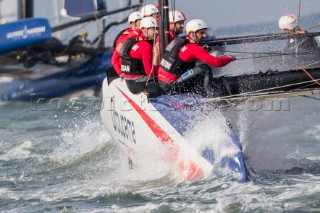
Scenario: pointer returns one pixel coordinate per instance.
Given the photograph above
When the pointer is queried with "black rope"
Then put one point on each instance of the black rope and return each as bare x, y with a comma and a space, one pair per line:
267, 55
307, 96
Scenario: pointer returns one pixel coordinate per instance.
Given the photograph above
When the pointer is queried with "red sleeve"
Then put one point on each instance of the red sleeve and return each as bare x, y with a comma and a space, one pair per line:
195, 52
147, 57
116, 62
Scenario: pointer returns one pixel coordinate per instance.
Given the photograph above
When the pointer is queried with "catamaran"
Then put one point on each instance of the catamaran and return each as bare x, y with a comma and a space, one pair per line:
163, 124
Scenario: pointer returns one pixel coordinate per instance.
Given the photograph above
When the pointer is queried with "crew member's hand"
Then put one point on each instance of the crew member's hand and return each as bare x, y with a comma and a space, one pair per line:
206, 47
301, 32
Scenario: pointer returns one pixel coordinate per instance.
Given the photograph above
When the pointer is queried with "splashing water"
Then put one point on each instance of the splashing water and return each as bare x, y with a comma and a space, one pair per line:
20, 152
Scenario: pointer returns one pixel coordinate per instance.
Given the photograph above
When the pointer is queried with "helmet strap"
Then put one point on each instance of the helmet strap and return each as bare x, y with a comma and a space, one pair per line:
193, 36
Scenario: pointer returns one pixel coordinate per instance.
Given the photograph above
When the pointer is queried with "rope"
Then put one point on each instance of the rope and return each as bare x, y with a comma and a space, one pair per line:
312, 81
152, 67
274, 53
260, 91
251, 46
315, 26
266, 54
308, 74
306, 96
308, 65
281, 37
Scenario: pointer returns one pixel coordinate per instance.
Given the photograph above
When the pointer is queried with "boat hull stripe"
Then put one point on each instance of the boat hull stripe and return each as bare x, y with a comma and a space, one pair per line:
156, 129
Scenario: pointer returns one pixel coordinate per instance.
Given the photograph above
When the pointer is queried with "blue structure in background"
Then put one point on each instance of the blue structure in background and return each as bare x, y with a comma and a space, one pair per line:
86, 75
23, 32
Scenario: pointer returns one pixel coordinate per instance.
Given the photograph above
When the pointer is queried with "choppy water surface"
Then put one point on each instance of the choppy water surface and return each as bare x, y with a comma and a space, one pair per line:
59, 158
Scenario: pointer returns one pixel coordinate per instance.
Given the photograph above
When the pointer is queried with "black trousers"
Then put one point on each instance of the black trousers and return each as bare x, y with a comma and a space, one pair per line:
195, 80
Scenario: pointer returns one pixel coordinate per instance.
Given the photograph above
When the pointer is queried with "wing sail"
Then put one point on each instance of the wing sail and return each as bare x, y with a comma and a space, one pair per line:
18, 34
82, 8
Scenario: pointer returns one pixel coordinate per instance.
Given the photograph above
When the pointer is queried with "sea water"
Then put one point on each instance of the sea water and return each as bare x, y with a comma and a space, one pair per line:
57, 157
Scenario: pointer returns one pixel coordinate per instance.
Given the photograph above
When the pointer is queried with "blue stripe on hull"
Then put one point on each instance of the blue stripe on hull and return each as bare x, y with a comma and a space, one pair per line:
181, 112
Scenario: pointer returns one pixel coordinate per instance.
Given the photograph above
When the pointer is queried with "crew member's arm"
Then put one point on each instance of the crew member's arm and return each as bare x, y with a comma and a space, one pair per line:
146, 54
156, 53
197, 52
116, 62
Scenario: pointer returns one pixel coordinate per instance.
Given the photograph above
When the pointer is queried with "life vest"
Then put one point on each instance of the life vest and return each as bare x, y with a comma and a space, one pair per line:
171, 61
130, 65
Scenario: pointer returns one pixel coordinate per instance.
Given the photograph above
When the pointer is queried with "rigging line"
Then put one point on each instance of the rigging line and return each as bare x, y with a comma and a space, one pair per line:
299, 12
275, 53
308, 74
74, 31
265, 42
306, 86
308, 96
308, 65
252, 46
279, 54
231, 101
261, 95
99, 27
173, 16
152, 67
279, 36
263, 90
173, 5
316, 26
257, 53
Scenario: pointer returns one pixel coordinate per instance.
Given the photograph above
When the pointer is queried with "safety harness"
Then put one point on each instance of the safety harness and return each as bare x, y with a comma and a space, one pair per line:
171, 61
130, 65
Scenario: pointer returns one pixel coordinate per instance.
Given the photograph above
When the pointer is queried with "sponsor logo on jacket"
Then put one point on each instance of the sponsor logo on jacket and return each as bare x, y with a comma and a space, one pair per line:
165, 64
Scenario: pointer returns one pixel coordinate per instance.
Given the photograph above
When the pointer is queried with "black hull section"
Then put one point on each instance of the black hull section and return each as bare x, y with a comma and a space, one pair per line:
270, 81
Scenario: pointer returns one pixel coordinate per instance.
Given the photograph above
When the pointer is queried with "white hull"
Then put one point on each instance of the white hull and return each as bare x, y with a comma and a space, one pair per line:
149, 131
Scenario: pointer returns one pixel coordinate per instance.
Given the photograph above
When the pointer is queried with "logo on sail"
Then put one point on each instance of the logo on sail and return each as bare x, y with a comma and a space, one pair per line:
26, 32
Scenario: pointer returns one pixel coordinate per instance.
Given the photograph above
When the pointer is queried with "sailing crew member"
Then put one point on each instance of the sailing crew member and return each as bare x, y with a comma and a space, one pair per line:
3, 21
176, 21
134, 20
288, 23
150, 10
81, 40
136, 57
178, 71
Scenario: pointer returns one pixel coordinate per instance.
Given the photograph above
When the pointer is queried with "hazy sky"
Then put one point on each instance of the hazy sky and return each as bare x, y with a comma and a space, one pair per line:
217, 13
224, 13
229, 13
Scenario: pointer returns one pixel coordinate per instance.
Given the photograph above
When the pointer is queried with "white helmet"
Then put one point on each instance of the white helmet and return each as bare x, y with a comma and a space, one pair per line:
133, 17
288, 22
149, 10
196, 24
175, 16
148, 22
